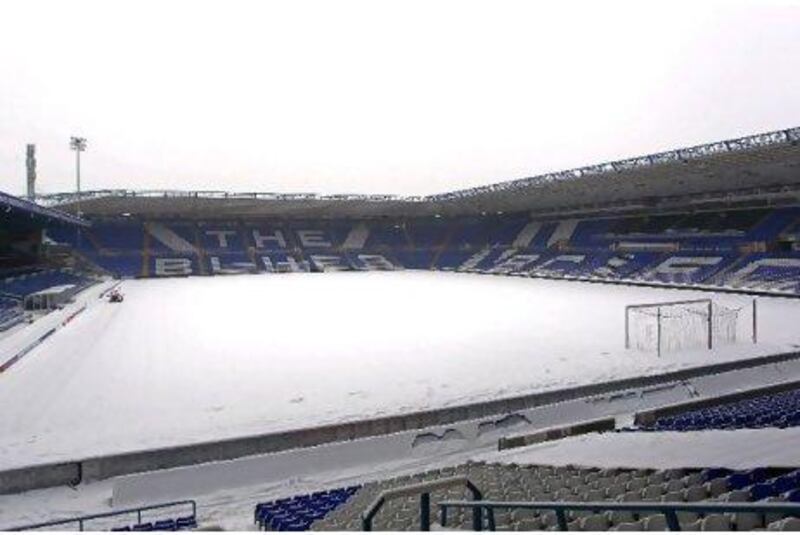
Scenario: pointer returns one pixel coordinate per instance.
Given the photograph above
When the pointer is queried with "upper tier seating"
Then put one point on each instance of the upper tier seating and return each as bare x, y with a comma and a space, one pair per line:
731, 223
115, 237
124, 265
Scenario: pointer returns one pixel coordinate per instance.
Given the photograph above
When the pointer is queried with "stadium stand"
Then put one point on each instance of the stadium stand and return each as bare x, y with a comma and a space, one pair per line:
734, 248
774, 410
25, 269
721, 215
779, 272
536, 483
36, 281
10, 313
300, 512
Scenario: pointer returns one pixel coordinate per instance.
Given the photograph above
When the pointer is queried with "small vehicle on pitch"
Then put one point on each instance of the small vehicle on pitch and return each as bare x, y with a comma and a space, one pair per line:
115, 296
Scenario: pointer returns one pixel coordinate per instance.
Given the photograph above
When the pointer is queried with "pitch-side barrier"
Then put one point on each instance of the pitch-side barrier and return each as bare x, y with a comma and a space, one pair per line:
104, 467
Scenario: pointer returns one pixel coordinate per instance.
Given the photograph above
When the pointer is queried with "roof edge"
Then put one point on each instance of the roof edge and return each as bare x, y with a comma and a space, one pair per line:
742, 144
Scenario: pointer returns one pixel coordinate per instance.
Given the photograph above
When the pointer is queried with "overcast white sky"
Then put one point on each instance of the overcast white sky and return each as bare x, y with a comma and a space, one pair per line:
407, 97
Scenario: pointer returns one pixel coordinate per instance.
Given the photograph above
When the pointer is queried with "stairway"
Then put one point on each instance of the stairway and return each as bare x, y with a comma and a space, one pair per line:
526, 235
473, 261
169, 238
563, 232
443, 247
357, 238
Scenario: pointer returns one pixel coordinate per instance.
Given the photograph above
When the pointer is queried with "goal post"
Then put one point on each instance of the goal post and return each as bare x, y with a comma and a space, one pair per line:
685, 324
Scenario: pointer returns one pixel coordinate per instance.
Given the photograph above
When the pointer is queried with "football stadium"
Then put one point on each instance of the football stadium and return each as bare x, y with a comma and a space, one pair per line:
283, 361
605, 347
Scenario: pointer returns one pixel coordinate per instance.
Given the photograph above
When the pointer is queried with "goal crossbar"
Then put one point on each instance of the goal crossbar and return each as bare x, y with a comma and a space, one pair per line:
669, 303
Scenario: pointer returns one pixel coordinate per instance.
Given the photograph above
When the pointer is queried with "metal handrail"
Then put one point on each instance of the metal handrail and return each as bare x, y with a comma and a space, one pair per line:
81, 519
668, 509
424, 490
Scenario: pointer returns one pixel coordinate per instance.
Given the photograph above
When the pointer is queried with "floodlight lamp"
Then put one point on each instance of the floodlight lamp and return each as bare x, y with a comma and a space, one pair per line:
77, 143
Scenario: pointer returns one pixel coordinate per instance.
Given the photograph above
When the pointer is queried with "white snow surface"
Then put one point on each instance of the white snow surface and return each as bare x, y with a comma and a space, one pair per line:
199, 359
739, 449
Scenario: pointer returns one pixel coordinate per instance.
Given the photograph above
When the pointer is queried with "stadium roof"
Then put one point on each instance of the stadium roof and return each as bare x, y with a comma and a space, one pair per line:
763, 167
20, 214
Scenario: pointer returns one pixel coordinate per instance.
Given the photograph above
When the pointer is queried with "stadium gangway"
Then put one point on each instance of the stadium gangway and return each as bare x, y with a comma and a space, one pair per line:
670, 510
424, 491
80, 520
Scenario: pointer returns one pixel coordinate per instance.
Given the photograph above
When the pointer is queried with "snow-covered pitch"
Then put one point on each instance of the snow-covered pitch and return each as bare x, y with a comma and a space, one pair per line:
198, 359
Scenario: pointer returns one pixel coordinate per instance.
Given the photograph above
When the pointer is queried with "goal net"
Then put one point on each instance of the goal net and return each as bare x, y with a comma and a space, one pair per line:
680, 325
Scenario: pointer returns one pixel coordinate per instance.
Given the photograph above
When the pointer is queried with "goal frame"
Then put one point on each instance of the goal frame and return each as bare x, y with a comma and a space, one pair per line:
709, 320
658, 306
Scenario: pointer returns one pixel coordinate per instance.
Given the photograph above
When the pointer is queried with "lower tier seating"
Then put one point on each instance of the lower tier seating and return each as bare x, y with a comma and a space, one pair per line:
10, 313
299, 512
774, 410
527, 483
745, 249
173, 516
22, 285
171, 524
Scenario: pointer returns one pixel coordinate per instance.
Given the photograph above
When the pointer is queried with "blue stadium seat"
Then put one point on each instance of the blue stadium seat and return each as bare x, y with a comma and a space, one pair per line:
785, 484
738, 481
299, 512
620, 248
774, 410
715, 473
793, 496
164, 525
760, 491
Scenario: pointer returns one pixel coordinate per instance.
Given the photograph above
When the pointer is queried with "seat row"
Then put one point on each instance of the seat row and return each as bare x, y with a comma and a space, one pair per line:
299, 512
171, 524
10, 313
774, 410
528, 483
29, 283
